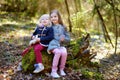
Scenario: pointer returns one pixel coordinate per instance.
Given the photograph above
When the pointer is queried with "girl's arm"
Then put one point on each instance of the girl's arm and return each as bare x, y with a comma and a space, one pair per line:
67, 35
34, 33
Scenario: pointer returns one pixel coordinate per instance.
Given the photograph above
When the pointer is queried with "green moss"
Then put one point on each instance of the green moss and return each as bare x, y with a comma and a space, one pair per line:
74, 46
47, 59
92, 74
28, 61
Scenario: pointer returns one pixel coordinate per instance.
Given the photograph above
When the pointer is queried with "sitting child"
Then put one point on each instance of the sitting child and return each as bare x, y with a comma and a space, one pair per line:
41, 37
57, 45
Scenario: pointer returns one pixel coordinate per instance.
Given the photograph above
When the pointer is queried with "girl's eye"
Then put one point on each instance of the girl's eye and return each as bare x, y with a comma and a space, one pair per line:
51, 17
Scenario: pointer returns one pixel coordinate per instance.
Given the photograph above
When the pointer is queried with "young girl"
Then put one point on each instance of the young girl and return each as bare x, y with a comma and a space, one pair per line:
56, 45
41, 37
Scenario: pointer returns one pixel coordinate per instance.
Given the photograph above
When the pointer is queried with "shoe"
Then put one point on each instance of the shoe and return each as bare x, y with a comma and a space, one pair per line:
62, 73
19, 68
38, 68
54, 75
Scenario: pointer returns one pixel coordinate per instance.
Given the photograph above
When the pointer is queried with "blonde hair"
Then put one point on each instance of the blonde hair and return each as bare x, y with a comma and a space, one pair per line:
45, 16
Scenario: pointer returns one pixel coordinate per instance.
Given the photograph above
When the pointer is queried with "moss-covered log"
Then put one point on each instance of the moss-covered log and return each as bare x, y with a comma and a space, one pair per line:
80, 54
28, 61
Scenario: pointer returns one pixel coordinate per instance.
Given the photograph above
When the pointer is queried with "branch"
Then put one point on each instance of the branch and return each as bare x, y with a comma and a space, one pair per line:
103, 24
111, 4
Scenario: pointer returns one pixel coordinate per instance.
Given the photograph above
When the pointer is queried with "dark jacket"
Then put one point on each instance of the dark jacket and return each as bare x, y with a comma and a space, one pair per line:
45, 34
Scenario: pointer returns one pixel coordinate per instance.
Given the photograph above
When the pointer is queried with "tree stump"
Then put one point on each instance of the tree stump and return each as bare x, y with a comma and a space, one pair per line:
82, 56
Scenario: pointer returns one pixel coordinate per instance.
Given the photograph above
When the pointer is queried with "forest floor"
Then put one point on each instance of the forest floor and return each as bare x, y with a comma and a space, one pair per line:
10, 56
13, 41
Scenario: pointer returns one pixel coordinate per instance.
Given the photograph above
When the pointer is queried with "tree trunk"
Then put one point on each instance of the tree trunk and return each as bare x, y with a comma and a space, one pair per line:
103, 25
69, 21
115, 22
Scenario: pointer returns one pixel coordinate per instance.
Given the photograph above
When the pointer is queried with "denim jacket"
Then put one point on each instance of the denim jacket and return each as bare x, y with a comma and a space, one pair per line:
59, 31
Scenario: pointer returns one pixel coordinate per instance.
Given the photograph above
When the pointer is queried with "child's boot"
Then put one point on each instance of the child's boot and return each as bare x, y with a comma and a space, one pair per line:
38, 68
62, 73
55, 75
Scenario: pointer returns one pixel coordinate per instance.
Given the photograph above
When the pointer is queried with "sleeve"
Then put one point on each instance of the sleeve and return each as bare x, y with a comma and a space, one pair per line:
35, 32
67, 35
49, 36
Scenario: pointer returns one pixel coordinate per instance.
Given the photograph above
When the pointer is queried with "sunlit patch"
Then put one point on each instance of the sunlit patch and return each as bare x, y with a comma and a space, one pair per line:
22, 33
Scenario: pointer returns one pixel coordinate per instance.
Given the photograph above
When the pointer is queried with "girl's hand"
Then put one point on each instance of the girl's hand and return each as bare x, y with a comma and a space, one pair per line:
37, 39
33, 37
62, 38
36, 36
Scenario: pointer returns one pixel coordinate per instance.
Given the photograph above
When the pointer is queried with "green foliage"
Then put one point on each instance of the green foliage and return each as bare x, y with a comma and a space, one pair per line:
95, 32
78, 22
60, 1
27, 7
28, 61
47, 59
74, 49
81, 21
92, 74
75, 45
73, 64
32, 7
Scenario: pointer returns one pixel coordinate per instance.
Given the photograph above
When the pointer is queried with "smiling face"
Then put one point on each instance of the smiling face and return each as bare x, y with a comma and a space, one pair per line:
54, 18
44, 20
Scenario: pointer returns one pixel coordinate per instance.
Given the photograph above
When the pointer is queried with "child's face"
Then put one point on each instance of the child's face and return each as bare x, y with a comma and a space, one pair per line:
54, 18
45, 21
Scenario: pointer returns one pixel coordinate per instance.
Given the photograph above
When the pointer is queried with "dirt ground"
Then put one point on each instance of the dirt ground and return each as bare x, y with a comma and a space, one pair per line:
10, 56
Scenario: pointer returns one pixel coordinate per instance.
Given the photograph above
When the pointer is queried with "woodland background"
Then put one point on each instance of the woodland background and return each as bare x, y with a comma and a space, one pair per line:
99, 18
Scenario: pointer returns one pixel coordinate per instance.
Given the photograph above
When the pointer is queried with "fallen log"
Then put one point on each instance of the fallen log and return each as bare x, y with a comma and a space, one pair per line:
83, 54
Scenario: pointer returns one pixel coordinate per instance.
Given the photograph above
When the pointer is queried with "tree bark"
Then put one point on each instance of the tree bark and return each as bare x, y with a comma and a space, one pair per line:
69, 21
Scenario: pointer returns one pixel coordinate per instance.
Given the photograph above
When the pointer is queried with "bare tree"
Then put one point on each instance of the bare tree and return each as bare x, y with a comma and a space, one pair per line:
106, 35
115, 22
69, 21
